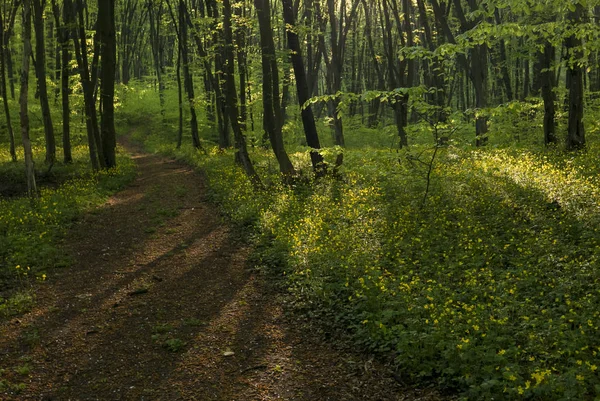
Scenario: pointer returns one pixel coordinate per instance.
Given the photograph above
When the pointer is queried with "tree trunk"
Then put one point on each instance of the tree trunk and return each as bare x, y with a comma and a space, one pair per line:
242, 59
187, 75
40, 70
3, 90
575, 72
108, 46
308, 119
65, 89
155, 19
179, 99
546, 60
231, 98
88, 84
272, 120
23, 101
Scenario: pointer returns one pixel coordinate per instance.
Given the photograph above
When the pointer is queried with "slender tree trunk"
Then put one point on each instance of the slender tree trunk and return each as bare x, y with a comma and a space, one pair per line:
8, 31
308, 119
88, 85
546, 59
242, 59
40, 70
65, 89
576, 130
179, 98
23, 100
155, 16
231, 98
3, 89
187, 75
272, 110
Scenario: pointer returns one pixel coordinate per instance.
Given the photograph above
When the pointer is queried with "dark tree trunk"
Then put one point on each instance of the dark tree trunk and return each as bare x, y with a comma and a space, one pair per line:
231, 98
272, 120
23, 99
187, 75
88, 84
40, 70
65, 88
575, 72
154, 15
546, 60
179, 99
308, 119
214, 82
242, 59
3, 90
505, 72
8, 31
108, 39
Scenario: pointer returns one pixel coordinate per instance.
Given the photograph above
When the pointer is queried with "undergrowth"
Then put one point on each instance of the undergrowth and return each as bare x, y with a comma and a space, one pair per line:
490, 289
30, 230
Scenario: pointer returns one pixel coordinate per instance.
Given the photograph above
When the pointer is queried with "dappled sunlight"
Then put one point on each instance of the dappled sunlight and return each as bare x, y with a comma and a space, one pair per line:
565, 185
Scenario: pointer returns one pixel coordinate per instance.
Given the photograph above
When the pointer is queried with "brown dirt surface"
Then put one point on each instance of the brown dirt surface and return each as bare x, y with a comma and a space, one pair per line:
161, 304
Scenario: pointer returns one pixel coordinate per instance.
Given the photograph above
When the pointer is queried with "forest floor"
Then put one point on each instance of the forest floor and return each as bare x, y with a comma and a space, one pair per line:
161, 304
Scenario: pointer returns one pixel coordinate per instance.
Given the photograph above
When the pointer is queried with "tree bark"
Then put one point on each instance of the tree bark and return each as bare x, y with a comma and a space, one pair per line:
108, 46
187, 75
547, 80
231, 98
308, 119
272, 120
65, 86
23, 101
88, 84
3, 90
575, 72
40, 70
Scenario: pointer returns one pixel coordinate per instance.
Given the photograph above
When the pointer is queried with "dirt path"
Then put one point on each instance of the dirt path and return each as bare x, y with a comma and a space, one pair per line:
161, 305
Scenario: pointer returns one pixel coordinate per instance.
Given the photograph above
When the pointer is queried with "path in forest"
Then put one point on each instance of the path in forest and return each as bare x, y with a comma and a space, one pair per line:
161, 304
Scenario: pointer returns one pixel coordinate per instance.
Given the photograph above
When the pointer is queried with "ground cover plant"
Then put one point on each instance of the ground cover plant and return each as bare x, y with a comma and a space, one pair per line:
489, 288
31, 229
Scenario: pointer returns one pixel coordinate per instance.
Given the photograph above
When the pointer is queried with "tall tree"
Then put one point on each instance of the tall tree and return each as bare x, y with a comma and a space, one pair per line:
108, 40
272, 116
182, 35
88, 82
242, 156
23, 100
40, 70
575, 75
3, 91
65, 73
308, 119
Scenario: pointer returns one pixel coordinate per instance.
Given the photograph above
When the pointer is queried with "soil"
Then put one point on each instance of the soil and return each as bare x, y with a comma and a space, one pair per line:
161, 304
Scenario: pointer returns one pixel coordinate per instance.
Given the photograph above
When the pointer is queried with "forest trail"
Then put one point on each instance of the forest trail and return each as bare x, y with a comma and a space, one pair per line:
160, 304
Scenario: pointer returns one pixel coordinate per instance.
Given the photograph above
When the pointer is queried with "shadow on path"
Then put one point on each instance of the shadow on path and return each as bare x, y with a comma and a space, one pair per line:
160, 305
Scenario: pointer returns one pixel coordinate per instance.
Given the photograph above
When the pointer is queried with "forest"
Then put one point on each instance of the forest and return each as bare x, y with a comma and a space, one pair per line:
419, 177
